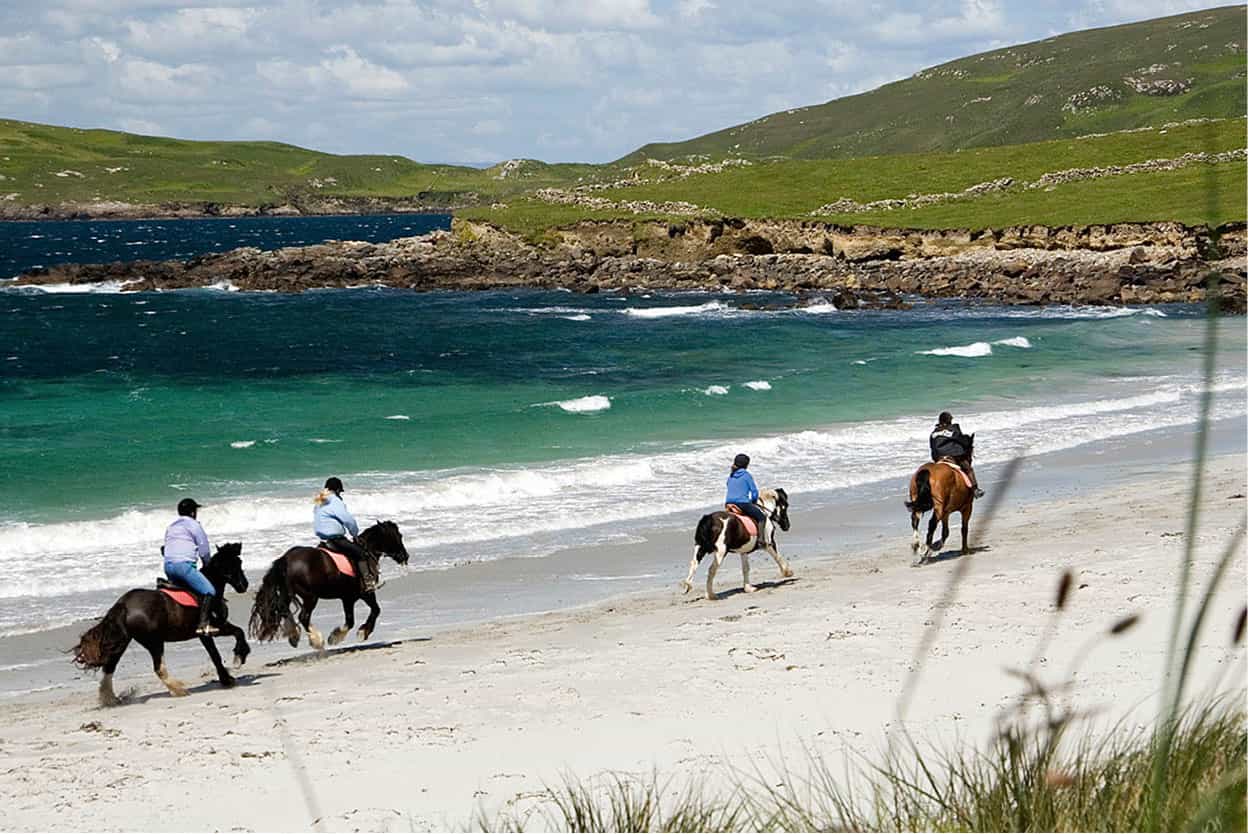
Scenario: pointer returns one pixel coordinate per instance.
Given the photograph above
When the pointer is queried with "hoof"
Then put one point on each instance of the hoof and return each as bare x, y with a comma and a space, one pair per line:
686, 587
240, 659
787, 573
918, 563
749, 589
364, 634
336, 636
227, 680
293, 640
712, 597
178, 691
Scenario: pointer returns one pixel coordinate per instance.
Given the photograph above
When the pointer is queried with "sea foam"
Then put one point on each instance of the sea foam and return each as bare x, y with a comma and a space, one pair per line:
584, 405
968, 351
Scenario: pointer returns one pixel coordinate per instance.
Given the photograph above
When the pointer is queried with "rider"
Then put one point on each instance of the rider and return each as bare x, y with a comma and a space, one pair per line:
948, 441
332, 521
742, 492
186, 543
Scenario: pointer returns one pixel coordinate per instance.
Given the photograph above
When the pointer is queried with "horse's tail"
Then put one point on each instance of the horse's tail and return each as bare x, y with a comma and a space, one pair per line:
704, 538
105, 640
272, 604
923, 492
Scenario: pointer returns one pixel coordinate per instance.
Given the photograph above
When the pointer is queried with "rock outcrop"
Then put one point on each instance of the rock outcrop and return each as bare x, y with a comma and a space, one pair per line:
855, 266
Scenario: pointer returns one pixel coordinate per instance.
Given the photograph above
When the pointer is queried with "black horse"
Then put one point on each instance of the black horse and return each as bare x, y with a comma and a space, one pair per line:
307, 574
153, 619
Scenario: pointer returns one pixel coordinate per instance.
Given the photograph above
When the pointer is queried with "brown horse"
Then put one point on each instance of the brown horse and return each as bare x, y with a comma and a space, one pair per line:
153, 619
304, 575
941, 489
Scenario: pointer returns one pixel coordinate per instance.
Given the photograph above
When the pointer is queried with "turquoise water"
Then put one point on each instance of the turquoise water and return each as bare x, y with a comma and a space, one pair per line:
498, 424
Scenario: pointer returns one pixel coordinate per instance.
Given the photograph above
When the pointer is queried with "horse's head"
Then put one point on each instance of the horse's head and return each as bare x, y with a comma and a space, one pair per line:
384, 538
227, 563
776, 502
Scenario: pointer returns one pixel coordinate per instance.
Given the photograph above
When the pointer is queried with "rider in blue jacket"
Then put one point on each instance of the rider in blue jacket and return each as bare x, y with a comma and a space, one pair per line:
185, 544
332, 521
743, 492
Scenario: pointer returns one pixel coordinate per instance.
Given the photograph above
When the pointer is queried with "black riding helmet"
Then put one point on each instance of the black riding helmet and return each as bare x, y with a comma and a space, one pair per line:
944, 419
334, 485
741, 461
188, 506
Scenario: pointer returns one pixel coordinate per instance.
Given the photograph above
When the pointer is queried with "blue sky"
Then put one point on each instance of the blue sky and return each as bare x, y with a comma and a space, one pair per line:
485, 80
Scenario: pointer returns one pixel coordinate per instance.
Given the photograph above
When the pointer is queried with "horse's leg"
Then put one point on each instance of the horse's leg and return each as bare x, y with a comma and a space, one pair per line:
915, 518
370, 599
223, 674
156, 647
931, 531
686, 585
774, 551
241, 649
745, 574
966, 526
721, 550
348, 610
944, 532
108, 698
306, 607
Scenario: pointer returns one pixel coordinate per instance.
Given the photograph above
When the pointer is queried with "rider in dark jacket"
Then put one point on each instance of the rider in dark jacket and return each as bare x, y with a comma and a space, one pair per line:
948, 441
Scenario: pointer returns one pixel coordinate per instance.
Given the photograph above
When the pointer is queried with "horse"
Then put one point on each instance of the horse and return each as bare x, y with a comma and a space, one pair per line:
941, 488
305, 575
153, 618
722, 532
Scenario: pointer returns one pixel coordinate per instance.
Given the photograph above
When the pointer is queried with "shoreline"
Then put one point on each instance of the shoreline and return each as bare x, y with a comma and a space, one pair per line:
418, 732
852, 267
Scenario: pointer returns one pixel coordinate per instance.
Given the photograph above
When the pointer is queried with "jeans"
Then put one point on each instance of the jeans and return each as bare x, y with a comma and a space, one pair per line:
187, 574
753, 511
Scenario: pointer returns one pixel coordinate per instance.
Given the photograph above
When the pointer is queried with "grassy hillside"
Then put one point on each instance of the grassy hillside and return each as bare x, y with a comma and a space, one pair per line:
1099, 80
799, 188
46, 164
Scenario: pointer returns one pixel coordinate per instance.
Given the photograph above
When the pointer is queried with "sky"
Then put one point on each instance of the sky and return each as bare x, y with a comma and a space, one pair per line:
481, 81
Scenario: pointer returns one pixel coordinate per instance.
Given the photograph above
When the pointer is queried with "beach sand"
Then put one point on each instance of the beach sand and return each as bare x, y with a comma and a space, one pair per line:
424, 733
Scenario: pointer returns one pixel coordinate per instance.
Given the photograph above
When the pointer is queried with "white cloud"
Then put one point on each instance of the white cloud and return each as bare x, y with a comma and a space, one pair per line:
141, 80
143, 126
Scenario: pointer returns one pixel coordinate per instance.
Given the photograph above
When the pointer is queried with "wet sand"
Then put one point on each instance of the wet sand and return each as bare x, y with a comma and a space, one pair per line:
421, 733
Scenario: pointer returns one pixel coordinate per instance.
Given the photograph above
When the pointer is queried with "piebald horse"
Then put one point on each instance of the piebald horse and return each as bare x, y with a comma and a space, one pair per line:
941, 489
723, 532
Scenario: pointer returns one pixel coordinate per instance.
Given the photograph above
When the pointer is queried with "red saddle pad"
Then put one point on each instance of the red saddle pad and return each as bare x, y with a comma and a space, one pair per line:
181, 597
341, 562
751, 526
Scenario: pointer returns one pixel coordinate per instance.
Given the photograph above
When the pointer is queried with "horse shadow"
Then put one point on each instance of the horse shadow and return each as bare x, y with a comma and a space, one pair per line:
315, 656
728, 593
950, 555
210, 685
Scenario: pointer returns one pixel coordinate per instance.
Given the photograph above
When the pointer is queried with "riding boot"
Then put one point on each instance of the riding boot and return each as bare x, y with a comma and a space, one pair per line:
970, 473
368, 574
205, 627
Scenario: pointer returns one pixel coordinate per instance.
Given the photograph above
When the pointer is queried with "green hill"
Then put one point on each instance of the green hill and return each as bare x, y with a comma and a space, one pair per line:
44, 164
1100, 80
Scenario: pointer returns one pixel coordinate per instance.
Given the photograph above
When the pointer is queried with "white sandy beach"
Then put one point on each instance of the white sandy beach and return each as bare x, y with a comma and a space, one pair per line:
421, 734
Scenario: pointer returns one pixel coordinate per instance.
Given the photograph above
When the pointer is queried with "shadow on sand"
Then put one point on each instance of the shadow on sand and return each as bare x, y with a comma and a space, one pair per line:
727, 593
314, 656
207, 686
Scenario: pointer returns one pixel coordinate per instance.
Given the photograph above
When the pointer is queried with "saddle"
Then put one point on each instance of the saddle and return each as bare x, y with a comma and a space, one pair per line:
953, 464
341, 562
750, 525
177, 592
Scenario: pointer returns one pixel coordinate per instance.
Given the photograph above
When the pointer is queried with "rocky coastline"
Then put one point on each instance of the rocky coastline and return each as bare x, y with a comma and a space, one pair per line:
854, 266
288, 207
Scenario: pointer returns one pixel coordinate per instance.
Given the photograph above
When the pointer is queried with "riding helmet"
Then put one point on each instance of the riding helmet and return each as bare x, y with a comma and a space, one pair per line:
334, 485
188, 506
741, 461
944, 419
